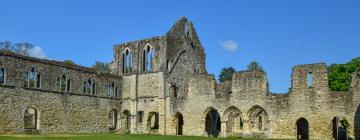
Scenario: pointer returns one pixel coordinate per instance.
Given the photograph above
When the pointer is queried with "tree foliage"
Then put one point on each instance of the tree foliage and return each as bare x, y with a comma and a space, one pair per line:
254, 65
69, 62
339, 75
22, 48
101, 67
226, 74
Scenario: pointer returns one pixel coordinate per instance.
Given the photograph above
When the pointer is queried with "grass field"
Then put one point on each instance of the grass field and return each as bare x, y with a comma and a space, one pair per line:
106, 137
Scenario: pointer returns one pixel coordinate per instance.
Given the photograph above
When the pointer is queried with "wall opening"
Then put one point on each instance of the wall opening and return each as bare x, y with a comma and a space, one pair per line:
2, 76
30, 118
148, 58
113, 120
140, 117
179, 124
302, 129
127, 61
212, 123
339, 130
126, 121
258, 119
153, 121
233, 120
310, 79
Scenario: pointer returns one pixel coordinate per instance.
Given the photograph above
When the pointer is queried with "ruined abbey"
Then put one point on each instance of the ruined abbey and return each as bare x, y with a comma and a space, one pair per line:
160, 86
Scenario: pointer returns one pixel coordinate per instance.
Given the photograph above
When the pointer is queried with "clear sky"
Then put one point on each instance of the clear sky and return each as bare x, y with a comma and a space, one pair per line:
277, 33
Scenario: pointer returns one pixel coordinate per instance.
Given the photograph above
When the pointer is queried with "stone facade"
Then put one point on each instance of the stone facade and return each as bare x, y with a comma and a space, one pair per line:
160, 86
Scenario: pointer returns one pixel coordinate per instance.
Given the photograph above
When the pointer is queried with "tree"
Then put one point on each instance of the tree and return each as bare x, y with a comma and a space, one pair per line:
339, 75
226, 74
6, 45
23, 48
19, 48
254, 65
69, 62
101, 67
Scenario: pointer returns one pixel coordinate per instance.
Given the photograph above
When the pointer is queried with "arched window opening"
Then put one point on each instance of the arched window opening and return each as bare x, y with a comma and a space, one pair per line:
153, 121
260, 122
340, 128
111, 89
68, 85
89, 87
2, 76
63, 81
258, 119
32, 79
148, 58
212, 123
232, 118
140, 117
30, 118
116, 92
302, 129
310, 79
113, 120
179, 123
127, 61
126, 120
93, 91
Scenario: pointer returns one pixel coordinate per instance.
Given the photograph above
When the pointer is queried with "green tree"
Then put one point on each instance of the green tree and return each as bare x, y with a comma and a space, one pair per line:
69, 62
254, 65
101, 67
226, 74
339, 75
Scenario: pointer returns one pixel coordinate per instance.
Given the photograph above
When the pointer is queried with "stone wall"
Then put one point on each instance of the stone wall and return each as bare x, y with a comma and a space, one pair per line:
175, 97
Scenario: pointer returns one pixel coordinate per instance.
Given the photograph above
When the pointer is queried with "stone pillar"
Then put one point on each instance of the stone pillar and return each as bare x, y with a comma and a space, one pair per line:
223, 129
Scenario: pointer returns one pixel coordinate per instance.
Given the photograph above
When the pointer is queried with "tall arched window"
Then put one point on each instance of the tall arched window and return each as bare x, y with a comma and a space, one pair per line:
30, 118
148, 58
111, 88
89, 87
2, 76
127, 61
64, 83
32, 79
113, 120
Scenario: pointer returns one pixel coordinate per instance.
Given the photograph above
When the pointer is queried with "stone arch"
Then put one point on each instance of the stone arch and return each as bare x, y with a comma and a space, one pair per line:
31, 118
233, 120
64, 83
357, 123
259, 119
126, 121
179, 123
212, 122
153, 121
148, 58
113, 119
127, 58
302, 129
339, 129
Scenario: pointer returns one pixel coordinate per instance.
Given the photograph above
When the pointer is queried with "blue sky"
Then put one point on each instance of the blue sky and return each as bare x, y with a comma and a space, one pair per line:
278, 33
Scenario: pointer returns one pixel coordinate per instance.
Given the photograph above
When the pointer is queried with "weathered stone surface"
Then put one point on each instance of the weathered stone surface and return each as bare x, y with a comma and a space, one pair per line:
177, 86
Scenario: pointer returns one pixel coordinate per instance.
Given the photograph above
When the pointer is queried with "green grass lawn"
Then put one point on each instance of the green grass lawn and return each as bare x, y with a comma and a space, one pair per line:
105, 137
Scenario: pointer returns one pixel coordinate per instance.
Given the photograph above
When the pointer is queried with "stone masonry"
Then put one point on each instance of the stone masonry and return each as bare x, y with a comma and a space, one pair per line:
160, 86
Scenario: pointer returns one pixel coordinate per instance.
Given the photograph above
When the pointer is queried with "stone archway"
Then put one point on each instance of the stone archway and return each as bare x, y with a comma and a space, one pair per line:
302, 126
259, 119
179, 120
233, 120
153, 122
126, 121
212, 123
